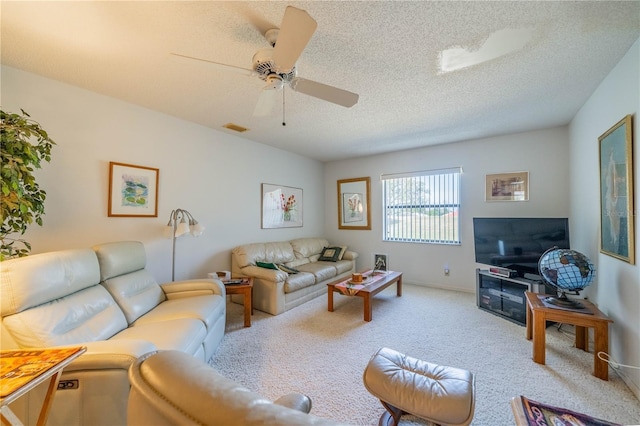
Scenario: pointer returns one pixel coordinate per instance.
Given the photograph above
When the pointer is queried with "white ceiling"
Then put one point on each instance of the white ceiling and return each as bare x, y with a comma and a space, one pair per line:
386, 51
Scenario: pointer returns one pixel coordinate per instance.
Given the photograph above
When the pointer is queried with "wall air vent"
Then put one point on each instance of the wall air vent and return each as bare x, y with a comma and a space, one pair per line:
235, 127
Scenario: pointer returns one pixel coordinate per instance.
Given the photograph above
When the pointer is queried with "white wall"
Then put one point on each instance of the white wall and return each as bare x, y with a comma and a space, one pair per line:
543, 153
214, 175
617, 287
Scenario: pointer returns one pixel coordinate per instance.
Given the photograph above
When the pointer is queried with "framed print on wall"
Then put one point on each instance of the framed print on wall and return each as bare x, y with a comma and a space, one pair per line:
507, 187
133, 190
281, 206
616, 192
354, 203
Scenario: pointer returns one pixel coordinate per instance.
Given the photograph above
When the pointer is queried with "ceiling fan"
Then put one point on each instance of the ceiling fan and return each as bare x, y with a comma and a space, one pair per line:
277, 65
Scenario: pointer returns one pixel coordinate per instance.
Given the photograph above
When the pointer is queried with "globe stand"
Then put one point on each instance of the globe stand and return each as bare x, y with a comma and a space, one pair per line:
564, 302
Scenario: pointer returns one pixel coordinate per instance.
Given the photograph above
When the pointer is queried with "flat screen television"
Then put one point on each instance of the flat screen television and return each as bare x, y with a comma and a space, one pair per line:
517, 243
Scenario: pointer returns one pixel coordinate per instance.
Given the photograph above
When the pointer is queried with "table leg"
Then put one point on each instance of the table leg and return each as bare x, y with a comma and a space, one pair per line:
330, 289
368, 308
48, 399
399, 286
248, 305
600, 367
529, 322
539, 330
582, 338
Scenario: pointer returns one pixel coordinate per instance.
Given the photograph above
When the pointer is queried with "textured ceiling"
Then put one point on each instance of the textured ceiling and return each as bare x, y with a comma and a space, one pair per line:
386, 51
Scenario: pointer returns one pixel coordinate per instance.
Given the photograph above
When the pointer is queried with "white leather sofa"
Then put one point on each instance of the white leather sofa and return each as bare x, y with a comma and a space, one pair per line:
198, 395
276, 291
104, 299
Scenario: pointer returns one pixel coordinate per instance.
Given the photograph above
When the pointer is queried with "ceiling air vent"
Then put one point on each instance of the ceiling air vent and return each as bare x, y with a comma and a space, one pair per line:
235, 127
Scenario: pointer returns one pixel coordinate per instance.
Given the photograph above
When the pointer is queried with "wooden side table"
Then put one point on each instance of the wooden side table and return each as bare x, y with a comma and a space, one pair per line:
538, 314
246, 289
24, 369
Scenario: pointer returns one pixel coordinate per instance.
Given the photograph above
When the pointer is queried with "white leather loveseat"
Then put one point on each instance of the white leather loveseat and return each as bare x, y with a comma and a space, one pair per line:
276, 291
104, 299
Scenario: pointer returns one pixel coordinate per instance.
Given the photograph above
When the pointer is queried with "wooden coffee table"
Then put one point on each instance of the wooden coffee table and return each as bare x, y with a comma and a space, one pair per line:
368, 291
246, 289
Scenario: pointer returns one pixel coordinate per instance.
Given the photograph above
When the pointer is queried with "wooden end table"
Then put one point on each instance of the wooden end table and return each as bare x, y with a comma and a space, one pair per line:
368, 291
246, 289
538, 314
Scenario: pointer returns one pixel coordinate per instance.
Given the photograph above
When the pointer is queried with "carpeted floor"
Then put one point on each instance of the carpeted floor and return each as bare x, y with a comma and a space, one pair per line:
323, 355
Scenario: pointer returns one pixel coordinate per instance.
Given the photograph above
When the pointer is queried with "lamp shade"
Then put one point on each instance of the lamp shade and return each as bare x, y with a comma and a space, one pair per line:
196, 229
182, 228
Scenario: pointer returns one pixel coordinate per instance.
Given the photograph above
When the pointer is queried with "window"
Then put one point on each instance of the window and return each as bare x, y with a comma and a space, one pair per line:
422, 207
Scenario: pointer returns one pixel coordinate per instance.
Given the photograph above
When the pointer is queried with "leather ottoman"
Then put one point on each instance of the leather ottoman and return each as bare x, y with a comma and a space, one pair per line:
439, 394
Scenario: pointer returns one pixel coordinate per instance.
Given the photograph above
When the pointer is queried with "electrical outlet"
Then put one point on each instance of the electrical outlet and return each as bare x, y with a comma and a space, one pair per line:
446, 270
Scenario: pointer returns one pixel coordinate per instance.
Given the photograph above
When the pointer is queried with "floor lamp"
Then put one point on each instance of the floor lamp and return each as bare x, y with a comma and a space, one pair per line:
180, 222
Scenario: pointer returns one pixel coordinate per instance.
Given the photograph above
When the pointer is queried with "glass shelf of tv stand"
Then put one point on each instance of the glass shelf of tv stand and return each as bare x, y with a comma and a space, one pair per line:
504, 296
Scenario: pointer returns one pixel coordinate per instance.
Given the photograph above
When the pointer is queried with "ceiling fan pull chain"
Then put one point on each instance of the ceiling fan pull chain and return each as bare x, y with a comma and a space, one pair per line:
284, 123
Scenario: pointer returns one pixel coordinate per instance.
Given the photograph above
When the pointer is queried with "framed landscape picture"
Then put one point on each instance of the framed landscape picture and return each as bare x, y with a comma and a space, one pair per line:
354, 203
616, 192
133, 190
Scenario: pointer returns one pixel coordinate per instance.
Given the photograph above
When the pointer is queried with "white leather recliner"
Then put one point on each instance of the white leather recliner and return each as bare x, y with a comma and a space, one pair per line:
173, 388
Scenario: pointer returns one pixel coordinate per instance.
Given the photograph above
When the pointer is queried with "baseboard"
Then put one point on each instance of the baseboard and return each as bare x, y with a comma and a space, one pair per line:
439, 287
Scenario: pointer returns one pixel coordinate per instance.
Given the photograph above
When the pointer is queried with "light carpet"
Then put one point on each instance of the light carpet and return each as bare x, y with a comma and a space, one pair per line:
323, 354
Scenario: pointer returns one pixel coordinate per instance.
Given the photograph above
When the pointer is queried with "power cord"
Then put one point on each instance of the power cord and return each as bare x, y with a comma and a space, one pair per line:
603, 356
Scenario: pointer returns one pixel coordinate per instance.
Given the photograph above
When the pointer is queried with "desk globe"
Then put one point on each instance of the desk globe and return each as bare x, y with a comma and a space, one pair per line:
567, 270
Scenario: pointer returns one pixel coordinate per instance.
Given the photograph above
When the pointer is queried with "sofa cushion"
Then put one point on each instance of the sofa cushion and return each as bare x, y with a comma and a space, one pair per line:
321, 270
307, 247
184, 334
298, 281
343, 266
136, 293
84, 316
276, 252
58, 274
204, 308
120, 258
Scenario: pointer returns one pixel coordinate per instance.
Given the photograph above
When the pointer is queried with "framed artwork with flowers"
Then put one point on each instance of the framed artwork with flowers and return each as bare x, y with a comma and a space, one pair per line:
354, 203
281, 206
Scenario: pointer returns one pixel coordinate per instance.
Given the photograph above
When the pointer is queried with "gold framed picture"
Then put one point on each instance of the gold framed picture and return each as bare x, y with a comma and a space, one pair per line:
616, 191
512, 186
354, 203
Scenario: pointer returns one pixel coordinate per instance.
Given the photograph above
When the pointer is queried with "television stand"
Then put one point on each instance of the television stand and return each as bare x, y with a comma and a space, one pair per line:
503, 296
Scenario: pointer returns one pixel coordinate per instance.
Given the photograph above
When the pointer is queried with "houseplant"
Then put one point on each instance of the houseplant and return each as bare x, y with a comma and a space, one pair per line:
24, 145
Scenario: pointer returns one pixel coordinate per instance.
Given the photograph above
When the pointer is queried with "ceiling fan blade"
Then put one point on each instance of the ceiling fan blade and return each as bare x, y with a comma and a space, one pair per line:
223, 67
296, 30
325, 92
266, 101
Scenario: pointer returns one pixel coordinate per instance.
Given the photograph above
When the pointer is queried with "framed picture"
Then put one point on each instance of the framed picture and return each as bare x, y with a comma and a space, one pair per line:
354, 203
616, 192
380, 262
281, 206
507, 187
133, 190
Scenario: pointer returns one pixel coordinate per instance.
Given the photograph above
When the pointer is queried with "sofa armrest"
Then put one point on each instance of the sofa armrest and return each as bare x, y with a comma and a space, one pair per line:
110, 354
264, 273
350, 255
190, 288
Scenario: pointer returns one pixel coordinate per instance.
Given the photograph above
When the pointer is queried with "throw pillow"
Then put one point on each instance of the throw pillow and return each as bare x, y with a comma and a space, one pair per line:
287, 269
342, 250
330, 254
267, 265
